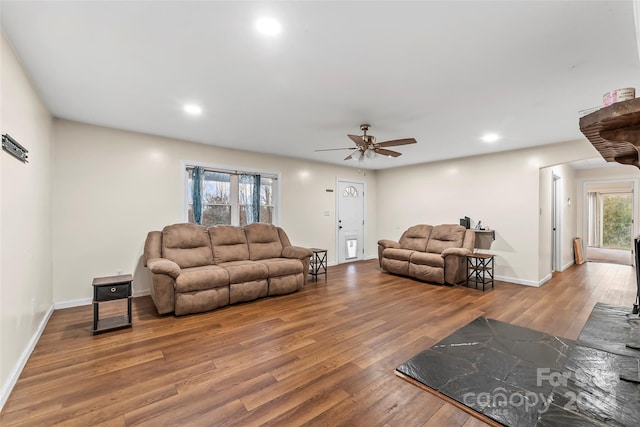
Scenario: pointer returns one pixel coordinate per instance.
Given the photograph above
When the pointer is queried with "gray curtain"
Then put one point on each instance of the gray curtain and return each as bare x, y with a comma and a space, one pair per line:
593, 218
252, 203
196, 193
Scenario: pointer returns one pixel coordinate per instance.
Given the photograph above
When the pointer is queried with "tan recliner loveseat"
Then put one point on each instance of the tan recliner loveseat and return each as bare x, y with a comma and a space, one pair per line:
196, 269
434, 254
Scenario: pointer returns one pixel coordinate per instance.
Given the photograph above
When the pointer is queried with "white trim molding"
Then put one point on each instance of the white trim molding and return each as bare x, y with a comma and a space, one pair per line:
524, 282
24, 357
636, 15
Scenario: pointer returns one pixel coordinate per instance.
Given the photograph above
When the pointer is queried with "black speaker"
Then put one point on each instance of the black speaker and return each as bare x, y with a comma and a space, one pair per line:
466, 222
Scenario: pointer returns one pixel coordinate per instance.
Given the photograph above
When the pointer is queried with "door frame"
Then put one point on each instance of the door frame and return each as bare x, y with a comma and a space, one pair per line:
556, 223
634, 215
364, 215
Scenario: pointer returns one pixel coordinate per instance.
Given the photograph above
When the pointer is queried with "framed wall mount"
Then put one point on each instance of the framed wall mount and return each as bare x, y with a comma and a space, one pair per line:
12, 147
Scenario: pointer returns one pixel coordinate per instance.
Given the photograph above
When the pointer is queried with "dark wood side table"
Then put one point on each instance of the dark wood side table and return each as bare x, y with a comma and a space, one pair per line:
318, 263
109, 289
480, 269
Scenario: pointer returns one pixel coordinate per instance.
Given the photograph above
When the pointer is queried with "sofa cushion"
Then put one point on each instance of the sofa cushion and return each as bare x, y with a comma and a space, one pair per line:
152, 246
264, 241
399, 254
426, 258
188, 245
229, 243
427, 273
285, 284
446, 236
245, 271
396, 266
282, 266
416, 237
206, 277
199, 301
247, 291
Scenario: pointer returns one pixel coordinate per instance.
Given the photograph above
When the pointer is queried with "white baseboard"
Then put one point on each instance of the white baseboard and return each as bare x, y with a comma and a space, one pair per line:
86, 301
22, 361
545, 279
567, 265
15, 374
142, 293
72, 303
521, 281
537, 284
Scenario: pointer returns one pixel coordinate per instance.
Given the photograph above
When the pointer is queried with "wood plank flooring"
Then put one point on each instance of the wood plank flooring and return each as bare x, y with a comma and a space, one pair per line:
322, 356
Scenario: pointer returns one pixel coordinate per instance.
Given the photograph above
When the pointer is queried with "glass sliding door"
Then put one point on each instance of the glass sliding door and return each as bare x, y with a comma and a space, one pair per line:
617, 220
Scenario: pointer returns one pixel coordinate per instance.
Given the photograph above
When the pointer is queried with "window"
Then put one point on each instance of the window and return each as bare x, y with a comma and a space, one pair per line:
230, 198
350, 191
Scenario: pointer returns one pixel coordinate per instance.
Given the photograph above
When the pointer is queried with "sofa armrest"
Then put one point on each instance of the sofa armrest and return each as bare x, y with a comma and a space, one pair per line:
456, 251
296, 252
164, 266
388, 244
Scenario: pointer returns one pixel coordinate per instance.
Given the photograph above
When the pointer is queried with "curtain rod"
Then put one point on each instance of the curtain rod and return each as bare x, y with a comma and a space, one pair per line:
234, 172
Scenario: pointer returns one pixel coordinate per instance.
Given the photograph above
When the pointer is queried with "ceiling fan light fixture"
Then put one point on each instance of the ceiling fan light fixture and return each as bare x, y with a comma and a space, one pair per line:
366, 146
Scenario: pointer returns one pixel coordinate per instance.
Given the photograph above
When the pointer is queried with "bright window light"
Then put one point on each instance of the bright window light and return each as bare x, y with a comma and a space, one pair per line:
268, 26
192, 109
490, 137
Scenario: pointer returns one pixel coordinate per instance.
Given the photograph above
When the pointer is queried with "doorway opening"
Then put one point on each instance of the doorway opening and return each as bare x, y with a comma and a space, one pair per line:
610, 222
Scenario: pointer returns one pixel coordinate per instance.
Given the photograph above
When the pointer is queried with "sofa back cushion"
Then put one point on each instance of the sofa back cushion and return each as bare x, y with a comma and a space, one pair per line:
446, 236
416, 237
229, 243
188, 245
152, 246
264, 241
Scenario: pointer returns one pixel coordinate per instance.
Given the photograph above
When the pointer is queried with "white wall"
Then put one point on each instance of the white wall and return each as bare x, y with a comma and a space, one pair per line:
111, 187
567, 206
26, 295
501, 189
569, 214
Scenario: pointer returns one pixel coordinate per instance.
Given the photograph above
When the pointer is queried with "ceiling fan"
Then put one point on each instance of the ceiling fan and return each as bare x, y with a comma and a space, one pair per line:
366, 145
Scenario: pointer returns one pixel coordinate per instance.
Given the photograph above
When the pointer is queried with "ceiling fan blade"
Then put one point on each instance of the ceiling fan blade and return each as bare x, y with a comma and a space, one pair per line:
358, 140
334, 149
350, 156
389, 153
396, 142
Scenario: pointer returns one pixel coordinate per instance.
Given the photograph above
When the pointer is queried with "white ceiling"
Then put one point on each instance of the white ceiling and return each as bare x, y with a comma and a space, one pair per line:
442, 72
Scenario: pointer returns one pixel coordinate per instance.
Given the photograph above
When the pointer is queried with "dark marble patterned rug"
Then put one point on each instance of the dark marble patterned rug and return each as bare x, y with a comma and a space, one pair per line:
517, 376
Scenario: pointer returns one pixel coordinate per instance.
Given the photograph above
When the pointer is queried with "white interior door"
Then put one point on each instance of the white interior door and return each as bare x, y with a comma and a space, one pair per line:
350, 217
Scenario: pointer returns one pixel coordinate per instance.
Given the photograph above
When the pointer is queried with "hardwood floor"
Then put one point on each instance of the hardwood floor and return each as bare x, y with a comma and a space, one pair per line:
322, 356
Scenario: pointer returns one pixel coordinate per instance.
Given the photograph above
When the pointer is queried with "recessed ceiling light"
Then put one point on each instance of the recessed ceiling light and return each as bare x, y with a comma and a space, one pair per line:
490, 137
268, 26
192, 109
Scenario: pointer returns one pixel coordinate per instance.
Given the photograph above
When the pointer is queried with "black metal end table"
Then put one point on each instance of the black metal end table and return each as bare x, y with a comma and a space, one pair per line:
318, 263
110, 289
480, 269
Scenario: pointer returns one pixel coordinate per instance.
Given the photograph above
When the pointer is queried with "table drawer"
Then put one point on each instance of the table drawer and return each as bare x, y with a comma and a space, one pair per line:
106, 293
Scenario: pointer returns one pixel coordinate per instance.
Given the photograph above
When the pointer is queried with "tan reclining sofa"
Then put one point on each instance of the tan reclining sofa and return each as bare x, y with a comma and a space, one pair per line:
434, 254
196, 269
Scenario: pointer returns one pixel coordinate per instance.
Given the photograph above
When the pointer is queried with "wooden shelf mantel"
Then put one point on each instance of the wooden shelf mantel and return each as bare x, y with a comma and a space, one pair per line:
615, 131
